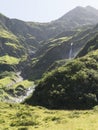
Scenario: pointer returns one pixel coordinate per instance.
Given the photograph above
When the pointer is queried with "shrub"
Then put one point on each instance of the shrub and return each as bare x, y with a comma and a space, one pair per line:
73, 86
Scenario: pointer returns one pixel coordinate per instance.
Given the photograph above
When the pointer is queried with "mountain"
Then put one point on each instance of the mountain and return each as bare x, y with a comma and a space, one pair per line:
76, 25
68, 84
34, 49
77, 17
80, 16
65, 46
29, 34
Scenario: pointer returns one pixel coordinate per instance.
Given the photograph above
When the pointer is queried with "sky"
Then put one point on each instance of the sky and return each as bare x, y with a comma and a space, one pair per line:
41, 10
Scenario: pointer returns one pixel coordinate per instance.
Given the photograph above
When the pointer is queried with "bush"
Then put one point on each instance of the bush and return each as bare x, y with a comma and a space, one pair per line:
73, 86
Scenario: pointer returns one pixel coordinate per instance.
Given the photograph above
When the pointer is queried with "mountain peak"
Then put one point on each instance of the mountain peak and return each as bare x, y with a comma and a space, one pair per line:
78, 7
87, 8
90, 7
81, 12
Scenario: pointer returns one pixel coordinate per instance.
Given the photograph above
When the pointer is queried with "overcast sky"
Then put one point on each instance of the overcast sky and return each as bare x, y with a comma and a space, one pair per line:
41, 10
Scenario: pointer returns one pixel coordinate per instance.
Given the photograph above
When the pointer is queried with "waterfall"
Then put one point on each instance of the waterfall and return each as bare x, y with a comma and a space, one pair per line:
70, 52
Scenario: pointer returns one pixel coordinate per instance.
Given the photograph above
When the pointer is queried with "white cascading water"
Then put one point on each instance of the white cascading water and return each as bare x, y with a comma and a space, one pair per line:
70, 52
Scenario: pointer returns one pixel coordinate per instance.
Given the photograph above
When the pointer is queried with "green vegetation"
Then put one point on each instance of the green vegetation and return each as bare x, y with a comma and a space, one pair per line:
24, 117
5, 81
91, 45
6, 78
14, 46
24, 83
9, 60
8, 35
42, 51
73, 86
13, 86
59, 40
57, 49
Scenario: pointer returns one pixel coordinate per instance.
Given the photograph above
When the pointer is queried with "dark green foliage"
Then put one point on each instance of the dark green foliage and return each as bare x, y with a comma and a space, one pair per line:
90, 46
23, 128
6, 67
73, 86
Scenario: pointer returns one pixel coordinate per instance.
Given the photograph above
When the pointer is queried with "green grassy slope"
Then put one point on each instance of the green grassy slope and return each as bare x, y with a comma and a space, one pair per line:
10, 44
17, 38
24, 117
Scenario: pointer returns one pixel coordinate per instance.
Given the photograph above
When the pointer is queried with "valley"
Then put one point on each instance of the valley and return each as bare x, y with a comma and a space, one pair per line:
49, 72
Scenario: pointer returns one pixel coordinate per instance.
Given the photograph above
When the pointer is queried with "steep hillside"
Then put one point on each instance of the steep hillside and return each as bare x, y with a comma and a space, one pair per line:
90, 46
72, 86
66, 47
18, 38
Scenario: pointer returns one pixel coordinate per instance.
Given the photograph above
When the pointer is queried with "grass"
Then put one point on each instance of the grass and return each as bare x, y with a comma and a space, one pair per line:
8, 35
13, 45
24, 83
7, 78
9, 86
24, 117
6, 59
5, 81
56, 42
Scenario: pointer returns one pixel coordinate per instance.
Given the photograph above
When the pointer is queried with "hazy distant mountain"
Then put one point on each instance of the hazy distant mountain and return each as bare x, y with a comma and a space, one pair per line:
79, 16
